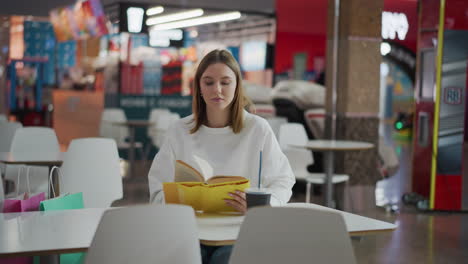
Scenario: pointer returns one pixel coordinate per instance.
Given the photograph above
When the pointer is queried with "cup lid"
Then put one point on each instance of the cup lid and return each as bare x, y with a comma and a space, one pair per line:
257, 190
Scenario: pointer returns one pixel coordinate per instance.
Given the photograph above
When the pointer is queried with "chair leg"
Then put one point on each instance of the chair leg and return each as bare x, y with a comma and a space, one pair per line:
144, 154
308, 187
348, 196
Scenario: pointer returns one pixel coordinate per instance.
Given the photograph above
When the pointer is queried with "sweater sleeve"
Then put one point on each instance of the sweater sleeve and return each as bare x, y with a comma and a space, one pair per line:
162, 170
276, 170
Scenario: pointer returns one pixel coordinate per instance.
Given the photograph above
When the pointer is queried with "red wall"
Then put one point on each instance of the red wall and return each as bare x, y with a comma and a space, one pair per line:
410, 9
288, 43
456, 14
302, 27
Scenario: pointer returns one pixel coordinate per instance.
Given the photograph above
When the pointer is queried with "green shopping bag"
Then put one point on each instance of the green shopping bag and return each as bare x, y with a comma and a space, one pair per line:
64, 202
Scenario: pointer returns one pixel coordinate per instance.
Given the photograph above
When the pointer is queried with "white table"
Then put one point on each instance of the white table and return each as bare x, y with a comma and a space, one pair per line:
328, 147
49, 159
68, 231
44, 159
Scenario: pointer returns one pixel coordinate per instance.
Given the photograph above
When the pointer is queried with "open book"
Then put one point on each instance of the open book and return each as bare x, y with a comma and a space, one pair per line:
190, 188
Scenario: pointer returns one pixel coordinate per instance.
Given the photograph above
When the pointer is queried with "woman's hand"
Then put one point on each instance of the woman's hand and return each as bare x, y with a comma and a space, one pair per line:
237, 202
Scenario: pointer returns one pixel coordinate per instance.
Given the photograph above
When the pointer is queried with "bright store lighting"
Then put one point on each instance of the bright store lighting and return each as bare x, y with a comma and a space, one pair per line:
193, 33
160, 42
162, 38
135, 19
198, 21
385, 48
154, 10
394, 25
174, 17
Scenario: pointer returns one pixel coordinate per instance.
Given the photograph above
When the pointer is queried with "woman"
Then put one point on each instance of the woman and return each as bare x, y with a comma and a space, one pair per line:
221, 133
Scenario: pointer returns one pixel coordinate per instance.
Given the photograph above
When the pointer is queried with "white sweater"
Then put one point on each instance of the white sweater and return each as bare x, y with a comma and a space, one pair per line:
227, 153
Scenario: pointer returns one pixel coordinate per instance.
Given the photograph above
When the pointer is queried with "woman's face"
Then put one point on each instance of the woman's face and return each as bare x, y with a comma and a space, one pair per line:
218, 86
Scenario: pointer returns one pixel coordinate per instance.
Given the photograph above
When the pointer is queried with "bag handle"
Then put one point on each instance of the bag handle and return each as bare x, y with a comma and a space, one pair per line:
27, 179
50, 179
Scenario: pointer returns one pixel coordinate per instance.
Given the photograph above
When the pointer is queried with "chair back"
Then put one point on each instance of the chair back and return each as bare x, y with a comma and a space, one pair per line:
146, 234
34, 140
292, 133
109, 130
7, 130
284, 235
315, 120
299, 159
275, 123
153, 117
3, 118
91, 166
265, 110
32, 143
163, 122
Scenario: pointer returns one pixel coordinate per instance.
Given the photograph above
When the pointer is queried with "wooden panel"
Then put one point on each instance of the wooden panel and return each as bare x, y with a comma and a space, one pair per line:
77, 114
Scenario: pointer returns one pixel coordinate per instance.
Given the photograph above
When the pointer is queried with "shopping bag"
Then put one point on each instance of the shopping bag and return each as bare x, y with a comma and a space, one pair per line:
64, 202
22, 203
26, 204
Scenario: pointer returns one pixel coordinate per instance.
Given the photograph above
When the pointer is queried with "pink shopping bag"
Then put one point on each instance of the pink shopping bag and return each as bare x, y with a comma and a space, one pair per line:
21, 204
26, 204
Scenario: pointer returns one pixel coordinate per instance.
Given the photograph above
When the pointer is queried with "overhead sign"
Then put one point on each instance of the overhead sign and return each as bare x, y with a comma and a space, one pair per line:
394, 25
453, 95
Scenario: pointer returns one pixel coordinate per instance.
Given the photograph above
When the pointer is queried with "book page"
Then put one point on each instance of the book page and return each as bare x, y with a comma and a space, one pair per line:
221, 179
186, 173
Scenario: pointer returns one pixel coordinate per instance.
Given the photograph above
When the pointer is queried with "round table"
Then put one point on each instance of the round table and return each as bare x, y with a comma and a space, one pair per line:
328, 147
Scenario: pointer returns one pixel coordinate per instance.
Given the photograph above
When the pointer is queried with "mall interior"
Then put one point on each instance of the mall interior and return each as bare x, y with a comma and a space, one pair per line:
367, 100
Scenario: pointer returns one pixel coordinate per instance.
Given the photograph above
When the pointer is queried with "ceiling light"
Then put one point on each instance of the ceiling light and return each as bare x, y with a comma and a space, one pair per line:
154, 10
198, 21
174, 17
385, 48
135, 19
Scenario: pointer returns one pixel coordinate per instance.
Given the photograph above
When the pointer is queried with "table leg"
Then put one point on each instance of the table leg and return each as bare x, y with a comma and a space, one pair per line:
54, 182
50, 259
131, 151
329, 160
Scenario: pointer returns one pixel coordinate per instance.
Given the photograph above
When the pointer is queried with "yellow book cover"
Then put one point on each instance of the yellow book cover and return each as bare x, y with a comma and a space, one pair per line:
190, 188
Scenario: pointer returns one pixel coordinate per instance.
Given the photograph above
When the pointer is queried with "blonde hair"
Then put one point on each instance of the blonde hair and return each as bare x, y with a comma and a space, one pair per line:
236, 117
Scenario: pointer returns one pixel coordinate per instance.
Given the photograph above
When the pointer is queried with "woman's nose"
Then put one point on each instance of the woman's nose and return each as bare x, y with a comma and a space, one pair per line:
218, 87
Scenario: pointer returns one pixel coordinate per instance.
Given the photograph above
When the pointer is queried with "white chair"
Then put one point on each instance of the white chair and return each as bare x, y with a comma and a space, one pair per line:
315, 120
265, 110
3, 118
295, 134
7, 131
119, 133
146, 234
32, 142
153, 117
91, 166
162, 124
35, 139
292, 134
275, 123
285, 235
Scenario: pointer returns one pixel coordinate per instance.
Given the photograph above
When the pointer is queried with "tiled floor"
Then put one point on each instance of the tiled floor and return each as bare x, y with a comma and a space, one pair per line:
420, 237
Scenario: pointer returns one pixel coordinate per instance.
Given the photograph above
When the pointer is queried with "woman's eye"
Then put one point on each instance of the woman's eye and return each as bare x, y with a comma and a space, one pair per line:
225, 83
208, 83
